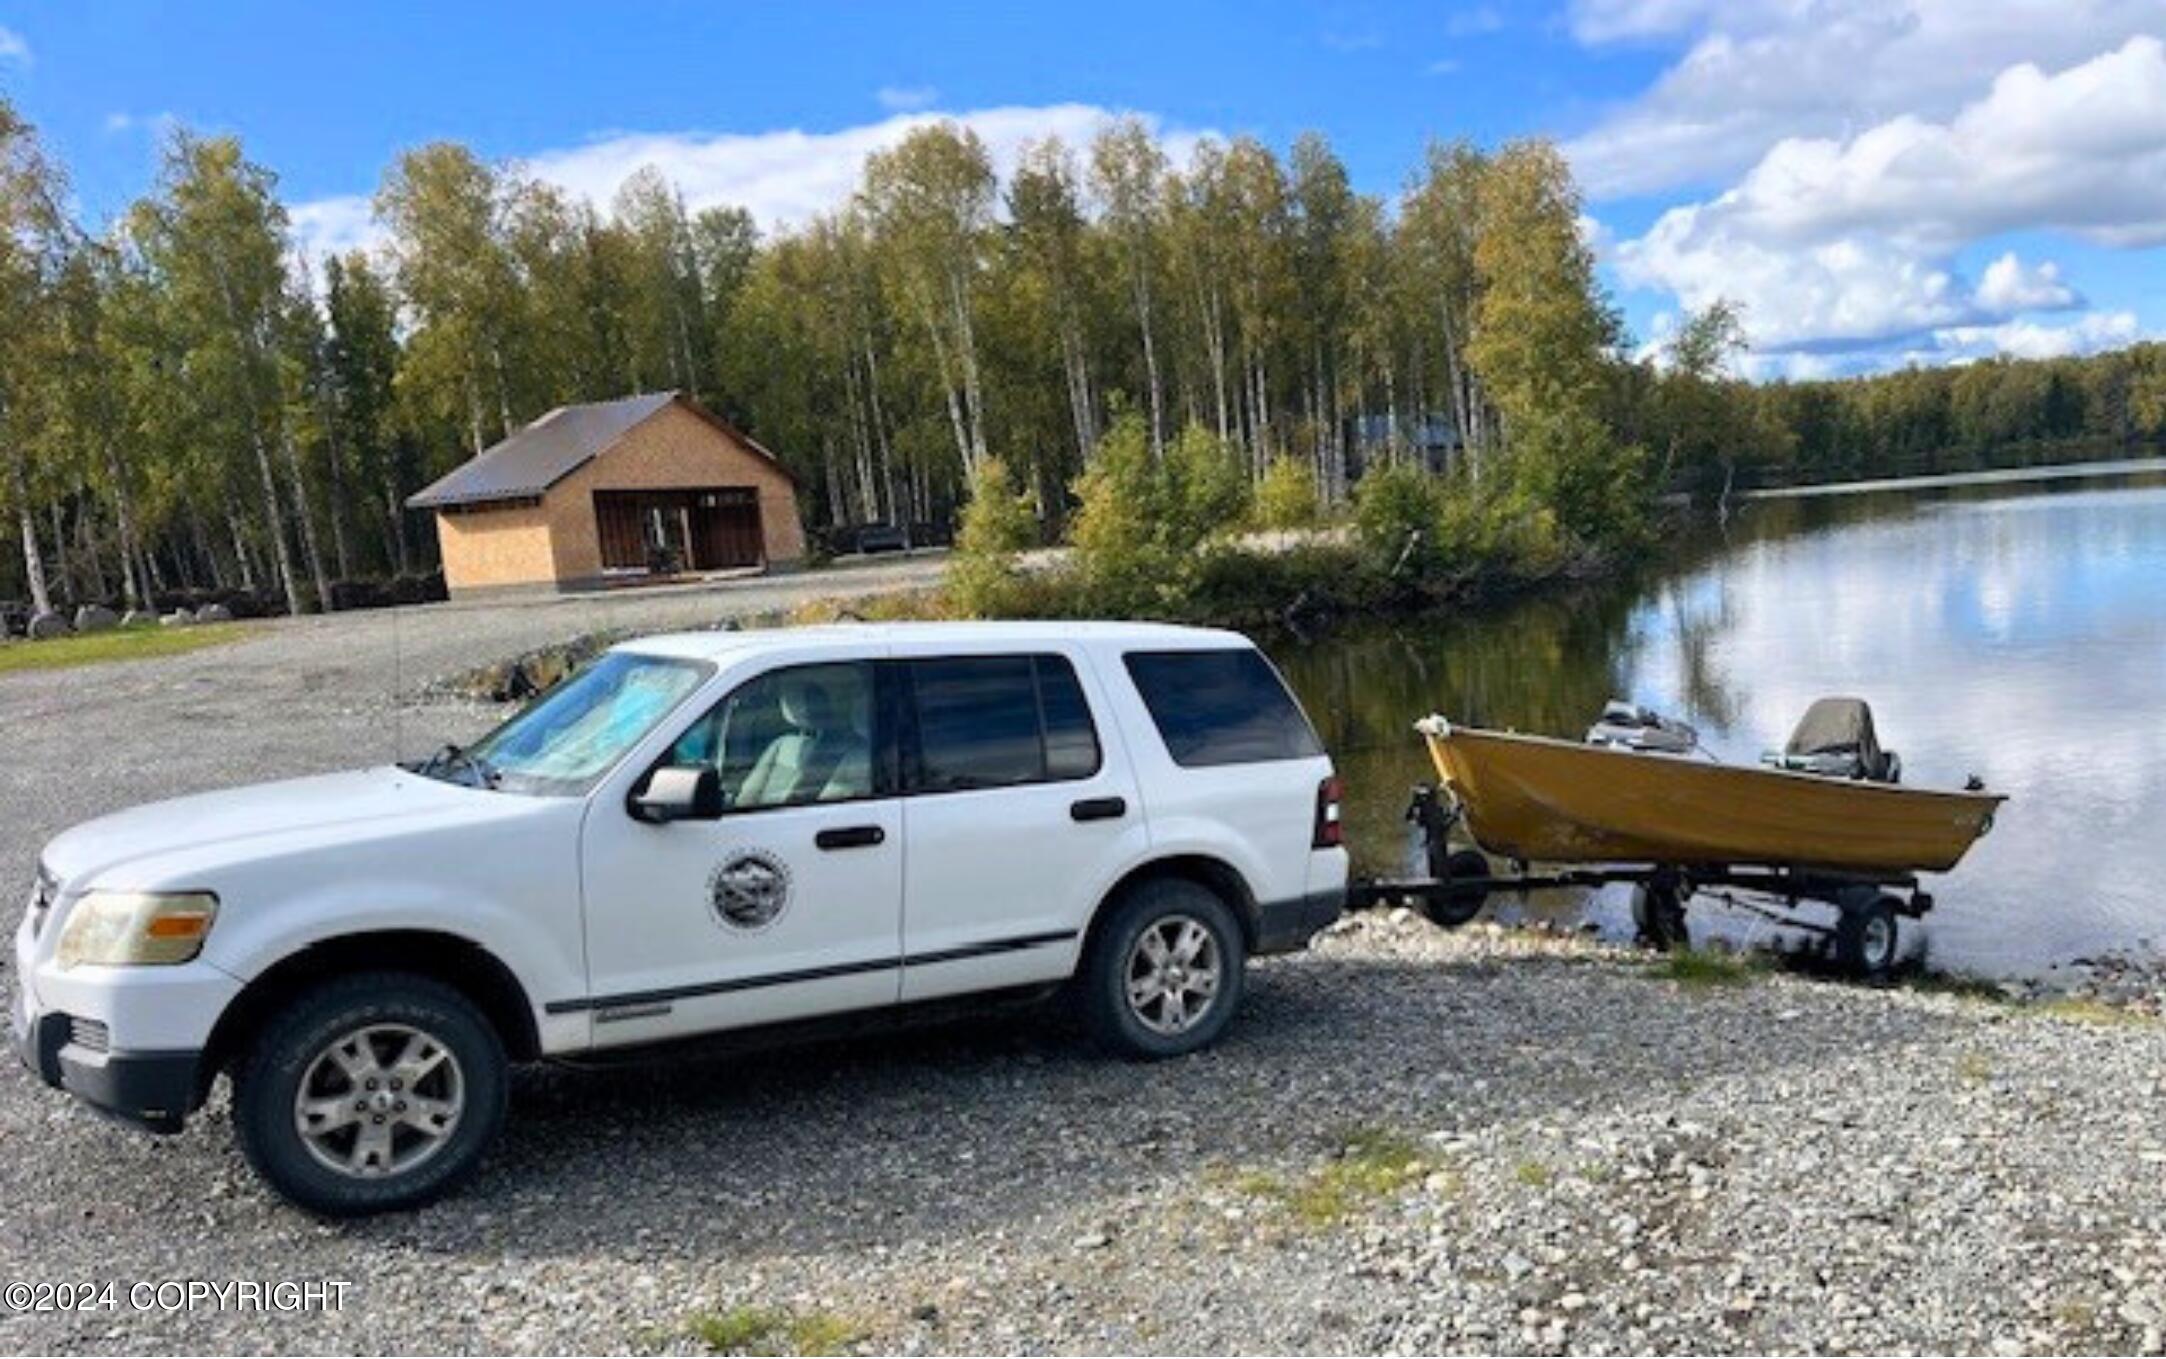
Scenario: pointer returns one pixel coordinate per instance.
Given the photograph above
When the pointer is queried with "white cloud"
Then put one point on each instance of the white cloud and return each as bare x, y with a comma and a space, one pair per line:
1466, 23
325, 227
1833, 243
1443, 66
2087, 334
905, 98
783, 178
156, 124
1754, 72
2007, 287
14, 47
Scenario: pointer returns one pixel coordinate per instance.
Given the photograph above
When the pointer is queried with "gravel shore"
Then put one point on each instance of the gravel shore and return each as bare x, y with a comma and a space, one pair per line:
1412, 1140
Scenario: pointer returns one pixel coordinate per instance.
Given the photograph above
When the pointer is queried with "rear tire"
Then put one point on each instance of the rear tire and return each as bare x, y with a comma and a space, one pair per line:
374, 1092
1163, 974
1867, 939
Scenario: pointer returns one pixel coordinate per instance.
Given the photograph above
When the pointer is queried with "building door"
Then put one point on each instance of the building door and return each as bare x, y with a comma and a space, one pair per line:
726, 529
664, 531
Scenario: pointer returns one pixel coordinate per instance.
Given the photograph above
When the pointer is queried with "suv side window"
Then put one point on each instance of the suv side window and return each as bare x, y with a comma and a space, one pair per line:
1221, 707
998, 721
798, 735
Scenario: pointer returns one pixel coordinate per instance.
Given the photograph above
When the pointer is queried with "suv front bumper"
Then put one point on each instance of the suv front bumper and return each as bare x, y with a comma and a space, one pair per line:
152, 1090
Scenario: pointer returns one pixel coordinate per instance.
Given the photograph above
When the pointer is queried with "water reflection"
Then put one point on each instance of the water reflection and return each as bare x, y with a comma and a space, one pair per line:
2016, 633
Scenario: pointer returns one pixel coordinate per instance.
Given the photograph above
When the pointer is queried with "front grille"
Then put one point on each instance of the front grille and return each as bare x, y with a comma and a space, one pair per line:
89, 1034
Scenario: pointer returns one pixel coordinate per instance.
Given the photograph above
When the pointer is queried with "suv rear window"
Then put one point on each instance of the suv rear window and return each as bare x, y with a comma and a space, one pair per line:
1221, 707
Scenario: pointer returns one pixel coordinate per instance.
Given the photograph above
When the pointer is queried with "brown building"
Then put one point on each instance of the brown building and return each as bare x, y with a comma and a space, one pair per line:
617, 491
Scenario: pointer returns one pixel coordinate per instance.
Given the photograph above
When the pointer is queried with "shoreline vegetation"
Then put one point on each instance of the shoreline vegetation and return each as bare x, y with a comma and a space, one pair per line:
941, 321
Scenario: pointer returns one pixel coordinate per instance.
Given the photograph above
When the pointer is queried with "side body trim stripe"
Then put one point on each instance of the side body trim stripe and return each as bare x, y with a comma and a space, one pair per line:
717, 988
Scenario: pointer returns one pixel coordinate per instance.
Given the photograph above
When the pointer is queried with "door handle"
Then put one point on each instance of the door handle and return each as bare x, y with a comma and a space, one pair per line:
849, 837
1099, 809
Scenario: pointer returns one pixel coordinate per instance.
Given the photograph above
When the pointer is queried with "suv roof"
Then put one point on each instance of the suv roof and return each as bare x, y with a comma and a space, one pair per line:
716, 643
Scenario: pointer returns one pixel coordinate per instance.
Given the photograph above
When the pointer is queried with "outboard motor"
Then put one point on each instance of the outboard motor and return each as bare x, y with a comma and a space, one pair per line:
1628, 726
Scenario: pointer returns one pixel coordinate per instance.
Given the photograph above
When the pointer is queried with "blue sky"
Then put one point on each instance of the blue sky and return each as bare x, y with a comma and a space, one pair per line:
1876, 180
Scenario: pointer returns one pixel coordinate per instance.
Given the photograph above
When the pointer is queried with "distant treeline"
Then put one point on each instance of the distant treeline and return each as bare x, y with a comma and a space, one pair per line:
185, 404
1999, 412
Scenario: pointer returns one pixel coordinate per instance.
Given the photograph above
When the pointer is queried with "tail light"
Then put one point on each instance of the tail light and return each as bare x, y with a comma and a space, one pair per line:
1330, 828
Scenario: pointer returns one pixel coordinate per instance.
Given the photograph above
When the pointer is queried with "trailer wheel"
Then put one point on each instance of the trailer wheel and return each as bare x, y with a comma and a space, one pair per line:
1658, 910
1867, 940
1455, 906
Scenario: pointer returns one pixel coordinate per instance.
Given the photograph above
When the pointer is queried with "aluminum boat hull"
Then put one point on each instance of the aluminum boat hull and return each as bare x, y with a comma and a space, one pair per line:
1549, 801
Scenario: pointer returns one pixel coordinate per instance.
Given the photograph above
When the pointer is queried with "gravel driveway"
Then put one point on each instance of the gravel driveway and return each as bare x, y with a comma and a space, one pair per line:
1413, 1140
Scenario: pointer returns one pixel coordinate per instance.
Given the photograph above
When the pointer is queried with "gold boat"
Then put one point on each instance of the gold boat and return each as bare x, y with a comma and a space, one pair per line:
1541, 800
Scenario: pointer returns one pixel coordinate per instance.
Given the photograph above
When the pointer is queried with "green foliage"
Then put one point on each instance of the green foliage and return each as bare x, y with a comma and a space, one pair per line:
1568, 463
1141, 520
1286, 497
1204, 489
1702, 969
1397, 508
1371, 1164
997, 524
1126, 552
746, 1329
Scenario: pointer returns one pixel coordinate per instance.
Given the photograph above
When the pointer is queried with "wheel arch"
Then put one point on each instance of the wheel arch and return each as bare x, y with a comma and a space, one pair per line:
1206, 871
455, 961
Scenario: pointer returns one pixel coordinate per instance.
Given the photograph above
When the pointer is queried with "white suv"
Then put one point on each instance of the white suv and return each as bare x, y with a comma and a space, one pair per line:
719, 831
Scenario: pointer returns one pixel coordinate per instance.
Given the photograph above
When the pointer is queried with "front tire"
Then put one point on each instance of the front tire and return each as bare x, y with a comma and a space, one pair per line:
375, 1092
1163, 975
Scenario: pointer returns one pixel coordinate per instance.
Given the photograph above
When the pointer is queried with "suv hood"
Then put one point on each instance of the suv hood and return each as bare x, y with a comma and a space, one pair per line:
121, 850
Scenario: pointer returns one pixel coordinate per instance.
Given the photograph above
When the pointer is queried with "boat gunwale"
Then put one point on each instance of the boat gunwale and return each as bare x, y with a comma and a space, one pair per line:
1454, 730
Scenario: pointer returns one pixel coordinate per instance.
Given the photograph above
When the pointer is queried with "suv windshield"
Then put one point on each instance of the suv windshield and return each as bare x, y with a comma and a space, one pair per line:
569, 737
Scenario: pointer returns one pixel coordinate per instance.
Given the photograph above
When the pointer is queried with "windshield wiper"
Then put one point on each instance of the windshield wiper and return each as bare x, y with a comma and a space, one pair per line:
451, 758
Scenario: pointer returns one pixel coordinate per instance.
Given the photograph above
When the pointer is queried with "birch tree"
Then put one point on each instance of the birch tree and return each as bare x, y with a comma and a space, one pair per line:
30, 248
1128, 174
931, 199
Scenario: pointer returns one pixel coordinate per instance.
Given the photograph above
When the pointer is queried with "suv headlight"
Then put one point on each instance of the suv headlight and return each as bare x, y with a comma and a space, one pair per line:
121, 929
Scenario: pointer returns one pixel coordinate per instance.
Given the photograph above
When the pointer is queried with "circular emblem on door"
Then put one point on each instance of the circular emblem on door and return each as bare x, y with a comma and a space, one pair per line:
750, 890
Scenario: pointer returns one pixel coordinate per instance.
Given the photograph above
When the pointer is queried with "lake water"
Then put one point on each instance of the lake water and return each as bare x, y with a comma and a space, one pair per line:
2017, 633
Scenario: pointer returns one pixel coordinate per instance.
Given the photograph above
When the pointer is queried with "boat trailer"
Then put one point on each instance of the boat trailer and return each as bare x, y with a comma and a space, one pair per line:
1459, 882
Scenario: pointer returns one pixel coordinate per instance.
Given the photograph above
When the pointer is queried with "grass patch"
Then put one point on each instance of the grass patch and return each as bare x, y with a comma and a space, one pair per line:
1532, 1174
1695, 967
2084, 1010
140, 643
1973, 1068
1961, 987
746, 1329
1372, 1164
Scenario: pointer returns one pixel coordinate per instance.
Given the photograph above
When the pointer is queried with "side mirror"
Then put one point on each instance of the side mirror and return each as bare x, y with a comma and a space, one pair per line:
679, 792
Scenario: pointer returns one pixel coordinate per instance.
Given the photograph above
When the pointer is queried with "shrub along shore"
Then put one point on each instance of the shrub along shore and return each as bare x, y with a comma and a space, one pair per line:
1189, 537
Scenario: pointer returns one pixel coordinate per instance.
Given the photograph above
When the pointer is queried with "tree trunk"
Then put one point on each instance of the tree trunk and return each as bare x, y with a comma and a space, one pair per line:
308, 523
967, 343
396, 514
33, 561
63, 567
963, 446
281, 554
1140, 275
335, 465
136, 591
244, 564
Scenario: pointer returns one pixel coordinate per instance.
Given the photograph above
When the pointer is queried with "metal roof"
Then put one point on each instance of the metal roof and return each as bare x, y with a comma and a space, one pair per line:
544, 453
